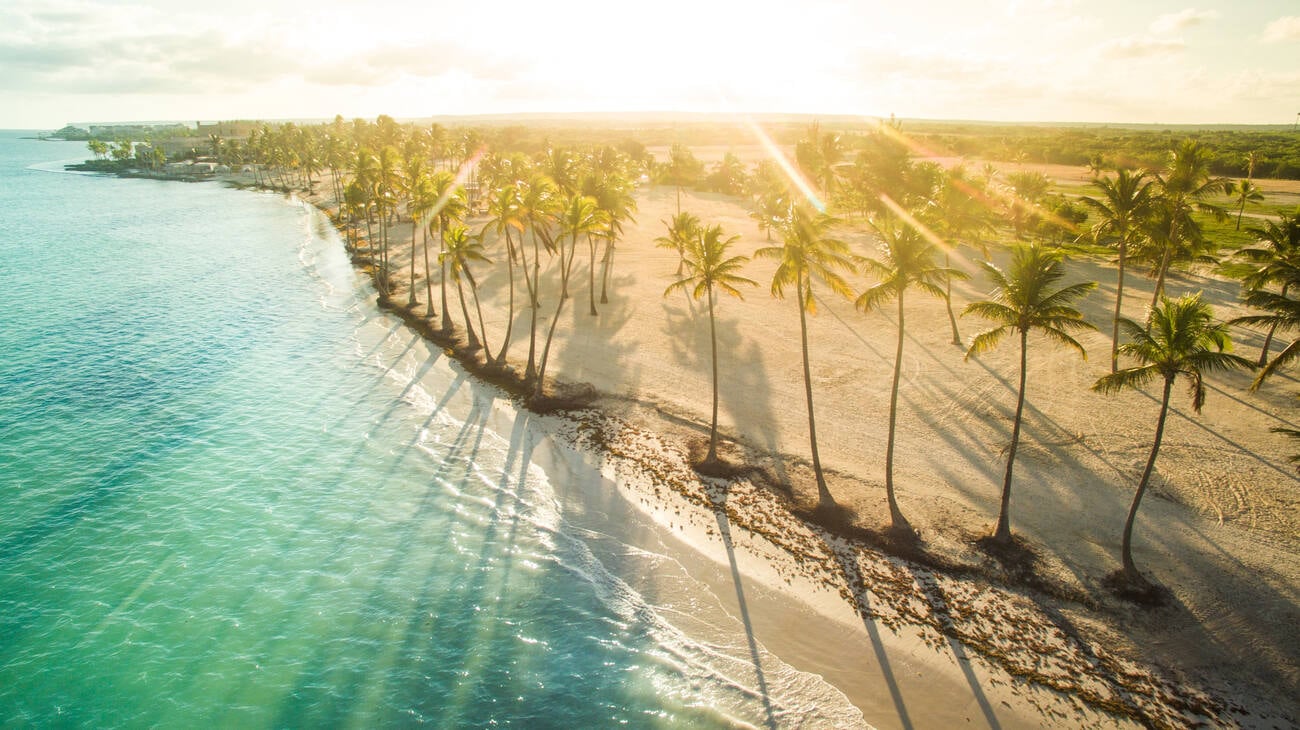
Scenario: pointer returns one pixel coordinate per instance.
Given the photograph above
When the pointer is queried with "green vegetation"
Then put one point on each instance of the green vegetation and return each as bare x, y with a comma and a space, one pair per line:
536, 193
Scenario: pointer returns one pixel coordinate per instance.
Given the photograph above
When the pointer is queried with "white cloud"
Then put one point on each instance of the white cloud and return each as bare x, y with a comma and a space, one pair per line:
1141, 47
1173, 22
1283, 30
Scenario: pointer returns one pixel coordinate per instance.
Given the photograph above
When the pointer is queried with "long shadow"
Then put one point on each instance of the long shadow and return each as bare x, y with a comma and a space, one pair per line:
724, 528
934, 596
858, 589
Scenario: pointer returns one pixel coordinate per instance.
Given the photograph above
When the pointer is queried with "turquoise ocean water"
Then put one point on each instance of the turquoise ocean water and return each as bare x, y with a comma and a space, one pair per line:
233, 493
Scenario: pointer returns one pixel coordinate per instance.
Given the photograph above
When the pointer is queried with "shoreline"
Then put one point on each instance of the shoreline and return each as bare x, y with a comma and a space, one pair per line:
948, 606
828, 572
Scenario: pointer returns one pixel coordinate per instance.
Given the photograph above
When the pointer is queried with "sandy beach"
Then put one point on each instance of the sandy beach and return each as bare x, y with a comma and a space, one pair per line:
1220, 530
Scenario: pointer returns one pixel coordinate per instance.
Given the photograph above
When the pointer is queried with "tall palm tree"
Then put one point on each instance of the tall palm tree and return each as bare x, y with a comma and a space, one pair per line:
505, 219
1275, 260
1124, 205
1180, 191
959, 212
710, 270
682, 229
461, 249
450, 206
581, 217
1180, 338
1025, 300
539, 203
418, 204
809, 254
1245, 191
906, 259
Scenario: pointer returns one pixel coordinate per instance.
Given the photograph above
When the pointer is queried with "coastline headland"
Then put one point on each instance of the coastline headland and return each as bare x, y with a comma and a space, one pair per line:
1028, 641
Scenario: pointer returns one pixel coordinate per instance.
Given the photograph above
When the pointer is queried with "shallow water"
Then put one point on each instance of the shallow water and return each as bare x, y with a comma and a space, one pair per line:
236, 493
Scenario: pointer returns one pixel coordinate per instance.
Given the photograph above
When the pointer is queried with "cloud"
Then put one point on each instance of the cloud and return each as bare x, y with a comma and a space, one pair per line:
1141, 47
1283, 30
1173, 22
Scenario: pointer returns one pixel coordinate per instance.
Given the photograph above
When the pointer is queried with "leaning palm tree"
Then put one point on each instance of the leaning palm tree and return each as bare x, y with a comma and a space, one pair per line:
1283, 314
959, 211
1180, 338
710, 270
808, 253
682, 229
505, 219
450, 206
461, 249
581, 217
1024, 300
907, 259
1179, 192
1274, 260
1124, 205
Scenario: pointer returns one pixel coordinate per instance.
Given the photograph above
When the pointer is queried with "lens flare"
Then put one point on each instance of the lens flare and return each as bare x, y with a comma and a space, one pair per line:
780, 159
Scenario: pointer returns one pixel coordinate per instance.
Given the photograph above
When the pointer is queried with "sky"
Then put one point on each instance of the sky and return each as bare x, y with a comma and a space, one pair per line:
1109, 61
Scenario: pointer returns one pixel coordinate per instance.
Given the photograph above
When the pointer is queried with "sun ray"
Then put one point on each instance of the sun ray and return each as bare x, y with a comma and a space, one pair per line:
784, 163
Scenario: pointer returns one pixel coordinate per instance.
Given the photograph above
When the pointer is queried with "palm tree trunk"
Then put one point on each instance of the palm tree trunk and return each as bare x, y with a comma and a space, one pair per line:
410, 298
530, 371
1119, 303
1160, 277
482, 328
510, 306
824, 497
442, 273
608, 264
1268, 339
1126, 549
564, 281
428, 276
896, 519
1240, 212
712, 457
947, 300
470, 338
591, 274
1002, 533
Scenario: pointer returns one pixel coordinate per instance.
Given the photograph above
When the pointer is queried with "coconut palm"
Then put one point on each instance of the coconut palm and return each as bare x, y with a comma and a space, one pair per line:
539, 203
710, 270
504, 218
1025, 300
1284, 315
461, 249
1180, 338
809, 254
581, 217
682, 229
1276, 260
906, 259
959, 212
1179, 192
1245, 191
419, 202
1124, 205
450, 206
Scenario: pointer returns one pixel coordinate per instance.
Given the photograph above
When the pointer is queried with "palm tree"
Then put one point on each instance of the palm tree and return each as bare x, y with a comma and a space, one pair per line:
580, 218
1284, 315
1180, 338
503, 211
711, 269
1276, 261
1024, 300
1179, 192
959, 213
461, 249
450, 206
418, 203
808, 253
1245, 192
682, 168
1124, 205
907, 259
538, 207
682, 229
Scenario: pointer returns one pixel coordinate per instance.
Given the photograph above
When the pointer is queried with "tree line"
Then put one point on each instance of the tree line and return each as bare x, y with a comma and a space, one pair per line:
540, 212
